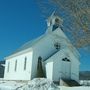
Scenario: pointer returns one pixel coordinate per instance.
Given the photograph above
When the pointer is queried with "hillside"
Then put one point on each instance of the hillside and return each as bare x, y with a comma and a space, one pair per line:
84, 75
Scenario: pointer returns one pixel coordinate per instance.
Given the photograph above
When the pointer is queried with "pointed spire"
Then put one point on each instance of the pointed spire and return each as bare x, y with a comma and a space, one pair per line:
53, 14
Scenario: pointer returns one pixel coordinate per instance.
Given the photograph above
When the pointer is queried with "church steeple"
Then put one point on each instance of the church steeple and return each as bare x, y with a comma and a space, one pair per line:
54, 22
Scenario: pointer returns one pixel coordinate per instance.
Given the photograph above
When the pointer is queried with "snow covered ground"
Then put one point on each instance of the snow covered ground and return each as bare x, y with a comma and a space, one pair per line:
36, 84
11, 85
75, 88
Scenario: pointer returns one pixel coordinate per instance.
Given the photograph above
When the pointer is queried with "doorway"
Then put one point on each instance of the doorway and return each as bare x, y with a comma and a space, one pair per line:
66, 68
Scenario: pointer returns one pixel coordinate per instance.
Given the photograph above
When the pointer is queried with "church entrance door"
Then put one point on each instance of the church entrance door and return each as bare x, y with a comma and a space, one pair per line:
66, 69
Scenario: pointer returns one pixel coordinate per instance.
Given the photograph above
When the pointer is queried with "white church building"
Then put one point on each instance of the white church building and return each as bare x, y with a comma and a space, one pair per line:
59, 57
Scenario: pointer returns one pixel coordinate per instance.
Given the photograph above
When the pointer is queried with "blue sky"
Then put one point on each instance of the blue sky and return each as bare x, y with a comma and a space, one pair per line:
21, 21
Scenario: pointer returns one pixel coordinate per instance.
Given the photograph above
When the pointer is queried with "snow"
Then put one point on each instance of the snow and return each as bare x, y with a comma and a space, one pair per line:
41, 84
10, 85
75, 88
36, 84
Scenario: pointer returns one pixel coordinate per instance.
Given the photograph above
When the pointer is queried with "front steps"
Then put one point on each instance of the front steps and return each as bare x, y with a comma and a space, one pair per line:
68, 82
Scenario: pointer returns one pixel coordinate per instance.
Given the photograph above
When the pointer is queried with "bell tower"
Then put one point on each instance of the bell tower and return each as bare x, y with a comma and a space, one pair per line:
53, 22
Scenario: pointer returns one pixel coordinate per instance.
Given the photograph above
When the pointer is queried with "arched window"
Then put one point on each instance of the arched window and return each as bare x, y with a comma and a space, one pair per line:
8, 66
40, 72
39, 62
66, 59
15, 65
39, 58
25, 63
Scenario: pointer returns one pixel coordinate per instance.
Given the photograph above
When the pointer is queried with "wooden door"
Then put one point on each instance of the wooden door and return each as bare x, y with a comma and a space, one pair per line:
66, 69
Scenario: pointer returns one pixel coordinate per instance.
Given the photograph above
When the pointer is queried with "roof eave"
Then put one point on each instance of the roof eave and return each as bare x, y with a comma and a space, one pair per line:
19, 53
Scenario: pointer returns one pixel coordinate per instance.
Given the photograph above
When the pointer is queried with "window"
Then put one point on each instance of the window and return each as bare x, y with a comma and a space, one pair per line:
57, 21
63, 59
66, 59
39, 58
40, 72
57, 45
56, 25
16, 65
50, 22
39, 62
25, 63
8, 66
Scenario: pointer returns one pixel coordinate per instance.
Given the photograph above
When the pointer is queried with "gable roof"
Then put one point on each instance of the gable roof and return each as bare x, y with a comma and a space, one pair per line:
27, 45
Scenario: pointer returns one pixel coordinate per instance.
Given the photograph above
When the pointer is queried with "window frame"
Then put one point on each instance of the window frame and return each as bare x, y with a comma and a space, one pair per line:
25, 63
8, 67
15, 69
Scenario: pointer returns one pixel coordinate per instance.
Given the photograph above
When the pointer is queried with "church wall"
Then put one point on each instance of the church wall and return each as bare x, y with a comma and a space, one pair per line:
65, 42
19, 73
73, 55
75, 69
44, 48
74, 66
57, 67
61, 68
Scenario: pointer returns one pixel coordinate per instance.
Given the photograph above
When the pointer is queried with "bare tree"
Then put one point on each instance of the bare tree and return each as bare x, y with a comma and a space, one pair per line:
76, 16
